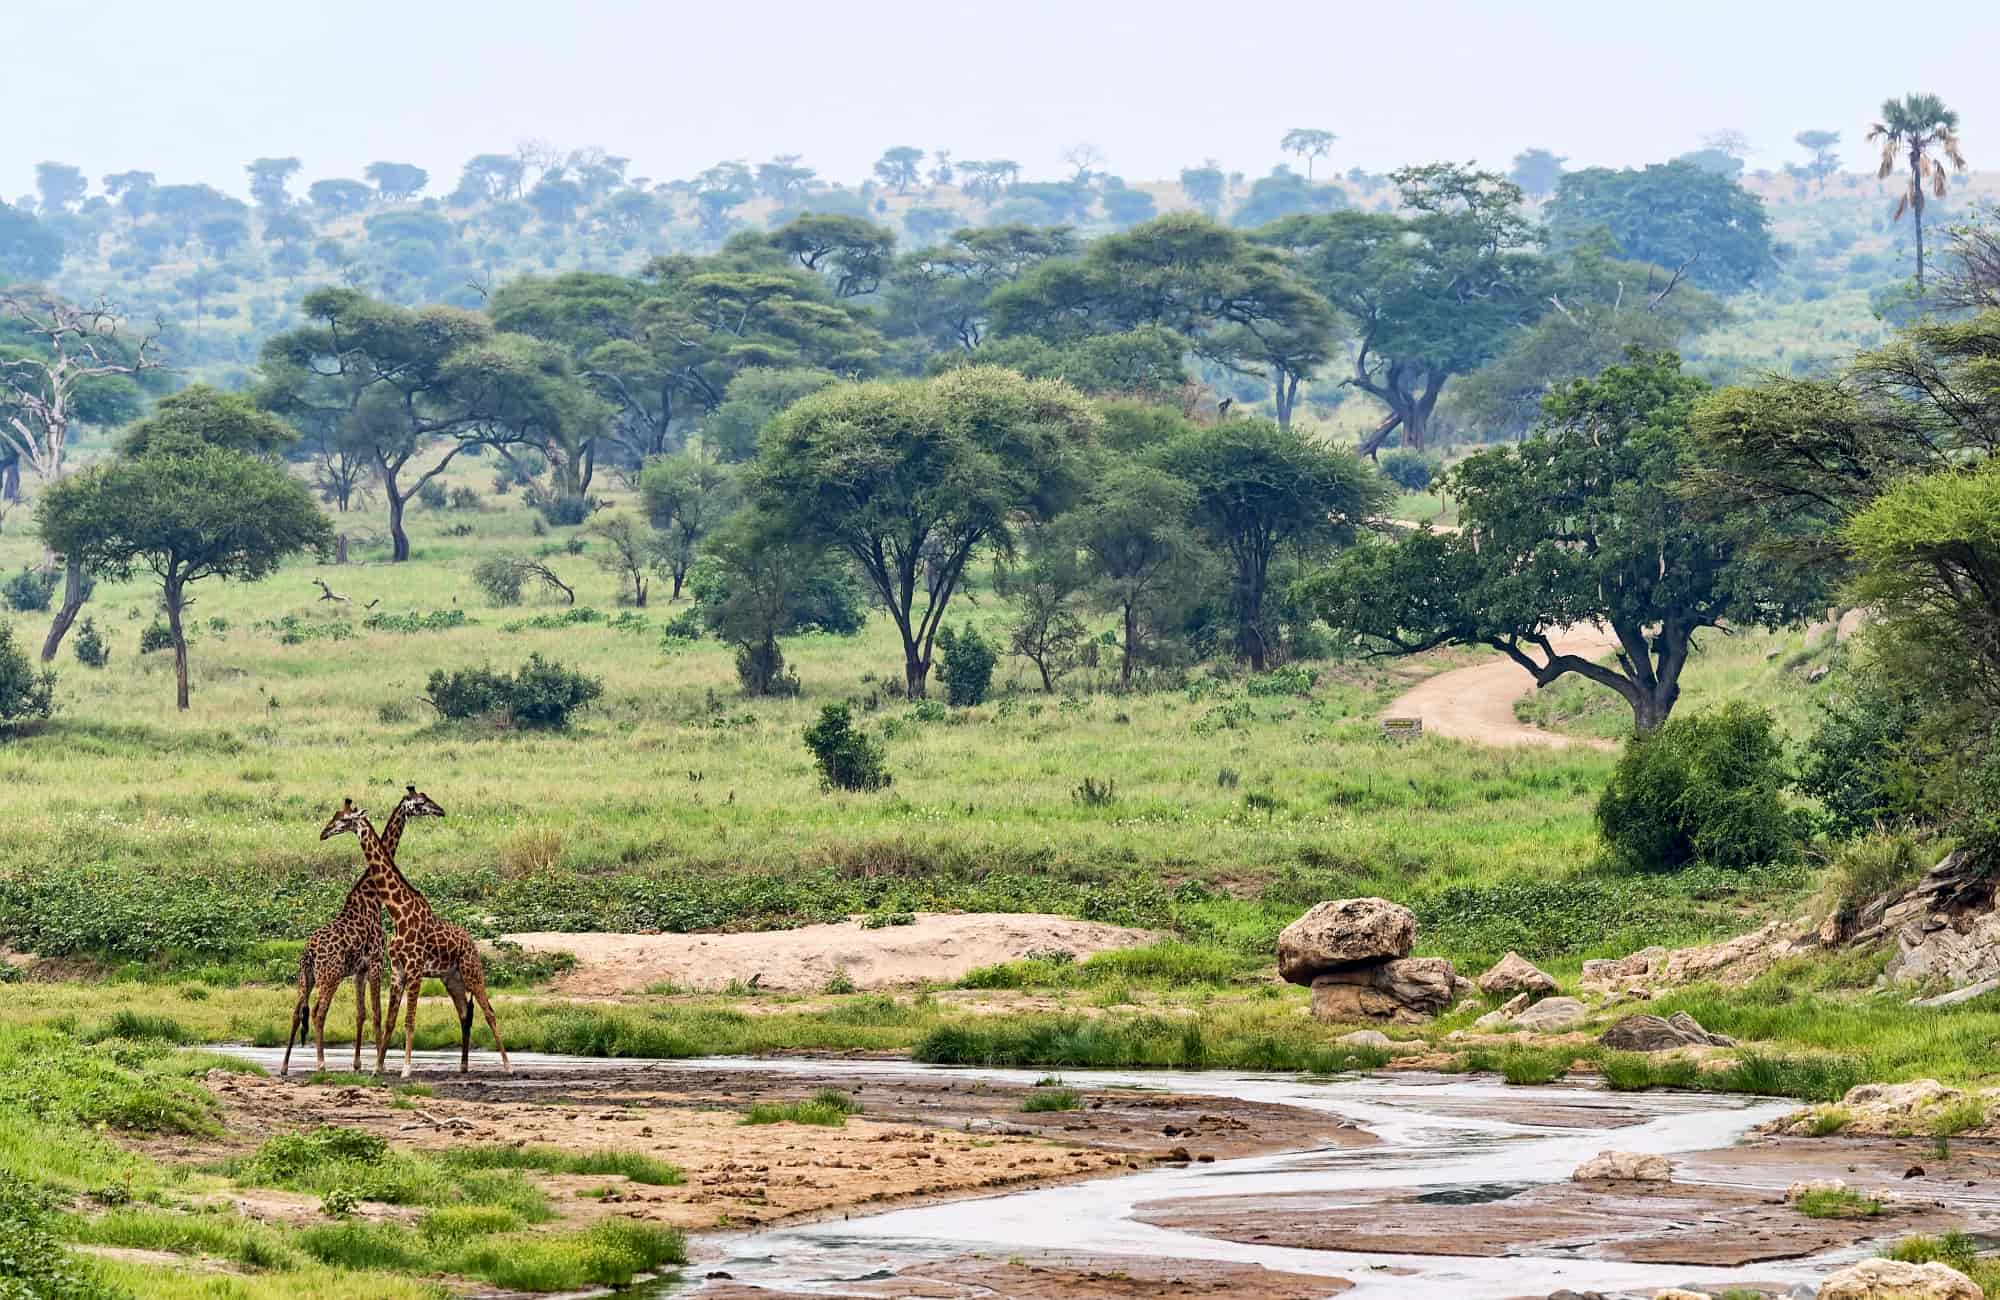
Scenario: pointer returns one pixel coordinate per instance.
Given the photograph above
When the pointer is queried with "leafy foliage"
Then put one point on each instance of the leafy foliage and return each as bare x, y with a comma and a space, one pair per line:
1671, 214
1706, 788
26, 693
541, 693
91, 649
967, 669
848, 759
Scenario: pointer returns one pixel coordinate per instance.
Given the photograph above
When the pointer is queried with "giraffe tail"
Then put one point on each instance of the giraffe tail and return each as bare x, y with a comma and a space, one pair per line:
301, 1014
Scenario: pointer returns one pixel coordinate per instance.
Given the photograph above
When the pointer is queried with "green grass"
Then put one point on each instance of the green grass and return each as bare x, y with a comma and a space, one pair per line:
353, 1165
827, 1108
1047, 1099
1837, 1203
634, 1165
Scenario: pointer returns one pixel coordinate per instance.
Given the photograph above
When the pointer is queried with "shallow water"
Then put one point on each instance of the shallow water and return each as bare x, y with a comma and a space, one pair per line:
1446, 1138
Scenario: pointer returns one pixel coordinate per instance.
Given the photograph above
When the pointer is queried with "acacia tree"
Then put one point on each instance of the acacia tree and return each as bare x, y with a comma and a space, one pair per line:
632, 551
1432, 295
1134, 535
898, 166
1581, 523
40, 386
911, 478
1309, 143
1825, 162
1259, 489
1914, 126
686, 498
186, 508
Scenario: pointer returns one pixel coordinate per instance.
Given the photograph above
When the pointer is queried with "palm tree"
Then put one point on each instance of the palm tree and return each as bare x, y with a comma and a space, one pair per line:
1916, 123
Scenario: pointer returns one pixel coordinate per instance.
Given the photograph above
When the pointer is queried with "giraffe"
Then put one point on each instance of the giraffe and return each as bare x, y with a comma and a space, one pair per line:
425, 945
351, 944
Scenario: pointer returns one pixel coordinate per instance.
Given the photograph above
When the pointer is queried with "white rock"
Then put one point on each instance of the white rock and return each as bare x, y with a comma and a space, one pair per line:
1624, 1166
1889, 1279
1551, 1015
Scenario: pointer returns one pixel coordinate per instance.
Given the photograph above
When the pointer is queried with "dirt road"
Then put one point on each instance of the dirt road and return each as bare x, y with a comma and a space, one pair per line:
1477, 703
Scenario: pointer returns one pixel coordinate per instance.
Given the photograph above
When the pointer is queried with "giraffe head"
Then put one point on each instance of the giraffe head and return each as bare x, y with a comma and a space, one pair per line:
348, 821
415, 803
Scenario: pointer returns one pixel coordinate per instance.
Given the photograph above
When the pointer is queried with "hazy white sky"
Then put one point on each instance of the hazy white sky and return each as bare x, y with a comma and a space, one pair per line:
192, 90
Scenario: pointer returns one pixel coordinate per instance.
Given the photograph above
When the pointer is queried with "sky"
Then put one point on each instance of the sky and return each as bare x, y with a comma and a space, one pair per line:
193, 90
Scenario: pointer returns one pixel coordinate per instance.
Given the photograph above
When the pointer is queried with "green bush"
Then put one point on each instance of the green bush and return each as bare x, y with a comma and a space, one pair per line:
1873, 759
541, 693
1411, 471
848, 759
90, 648
1704, 788
26, 695
29, 591
432, 495
500, 578
155, 636
966, 667
464, 498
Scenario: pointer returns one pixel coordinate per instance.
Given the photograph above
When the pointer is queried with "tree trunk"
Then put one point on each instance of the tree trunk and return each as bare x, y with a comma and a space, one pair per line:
340, 549
916, 670
72, 603
173, 594
1131, 637
10, 481
399, 540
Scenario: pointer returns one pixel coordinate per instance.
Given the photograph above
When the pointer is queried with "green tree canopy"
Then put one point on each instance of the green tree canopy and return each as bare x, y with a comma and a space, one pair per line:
202, 414
1581, 523
1259, 489
687, 498
1670, 214
1432, 295
189, 509
910, 478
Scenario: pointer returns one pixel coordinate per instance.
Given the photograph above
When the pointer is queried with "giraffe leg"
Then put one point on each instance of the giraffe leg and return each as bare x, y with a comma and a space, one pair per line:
414, 985
375, 1002
461, 1005
360, 1015
297, 1033
329, 984
477, 981
395, 1006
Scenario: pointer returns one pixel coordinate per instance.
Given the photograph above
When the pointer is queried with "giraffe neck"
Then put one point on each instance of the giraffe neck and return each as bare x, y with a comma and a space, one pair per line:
397, 894
372, 884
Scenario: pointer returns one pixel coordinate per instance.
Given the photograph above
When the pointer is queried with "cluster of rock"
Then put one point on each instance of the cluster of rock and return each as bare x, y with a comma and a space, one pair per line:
1945, 928
1871, 1279
1884, 1109
1354, 953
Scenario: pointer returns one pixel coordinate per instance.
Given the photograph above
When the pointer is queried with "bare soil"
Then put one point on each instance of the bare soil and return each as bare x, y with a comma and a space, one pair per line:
1477, 703
936, 947
916, 1139
1069, 1277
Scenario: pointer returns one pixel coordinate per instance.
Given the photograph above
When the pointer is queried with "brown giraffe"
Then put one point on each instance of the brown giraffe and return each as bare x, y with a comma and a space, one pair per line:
351, 944
425, 945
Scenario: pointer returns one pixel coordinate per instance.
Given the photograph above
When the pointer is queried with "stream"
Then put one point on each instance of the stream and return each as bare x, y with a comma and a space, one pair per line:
1442, 1139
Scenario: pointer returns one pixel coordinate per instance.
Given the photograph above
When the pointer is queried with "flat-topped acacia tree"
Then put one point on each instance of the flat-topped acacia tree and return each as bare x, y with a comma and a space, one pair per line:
191, 502
911, 478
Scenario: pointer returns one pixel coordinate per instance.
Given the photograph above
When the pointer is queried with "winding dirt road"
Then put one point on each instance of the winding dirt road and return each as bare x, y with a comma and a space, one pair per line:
1477, 703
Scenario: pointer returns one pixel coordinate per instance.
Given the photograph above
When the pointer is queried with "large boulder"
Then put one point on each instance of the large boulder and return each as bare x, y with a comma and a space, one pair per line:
1551, 1015
1624, 1167
1654, 1034
1890, 1279
1344, 934
1620, 972
1407, 991
1515, 974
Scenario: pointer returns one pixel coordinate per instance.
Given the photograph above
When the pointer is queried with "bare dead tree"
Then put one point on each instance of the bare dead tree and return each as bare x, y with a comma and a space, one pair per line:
328, 593
1969, 278
40, 391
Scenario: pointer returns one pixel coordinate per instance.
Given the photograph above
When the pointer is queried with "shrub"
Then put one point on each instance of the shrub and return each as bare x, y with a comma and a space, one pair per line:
1705, 788
155, 636
1409, 470
542, 693
29, 591
848, 759
1871, 758
500, 578
760, 667
33, 1263
564, 511
967, 666
1094, 793
91, 649
25, 694
464, 498
432, 495
1052, 1099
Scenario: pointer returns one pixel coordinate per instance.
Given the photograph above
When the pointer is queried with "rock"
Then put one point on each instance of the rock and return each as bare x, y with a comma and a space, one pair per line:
1551, 1015
1817, 675
1612, 972
1739, 959
1344, 934
1502, 1016
1676, 1293
1653, 1034
1623, 1166
1799, 1191
1889, 1279
1956, 996
1407, 991
1515, 974
1902, 1100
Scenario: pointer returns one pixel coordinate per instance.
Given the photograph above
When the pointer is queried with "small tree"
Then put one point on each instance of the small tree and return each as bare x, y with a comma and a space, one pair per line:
632, 552
91, 648
1046, 630
186, 512
26, 695
759, 581
1134, 534
686, 498
1259, 489
967, 669
847, 759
